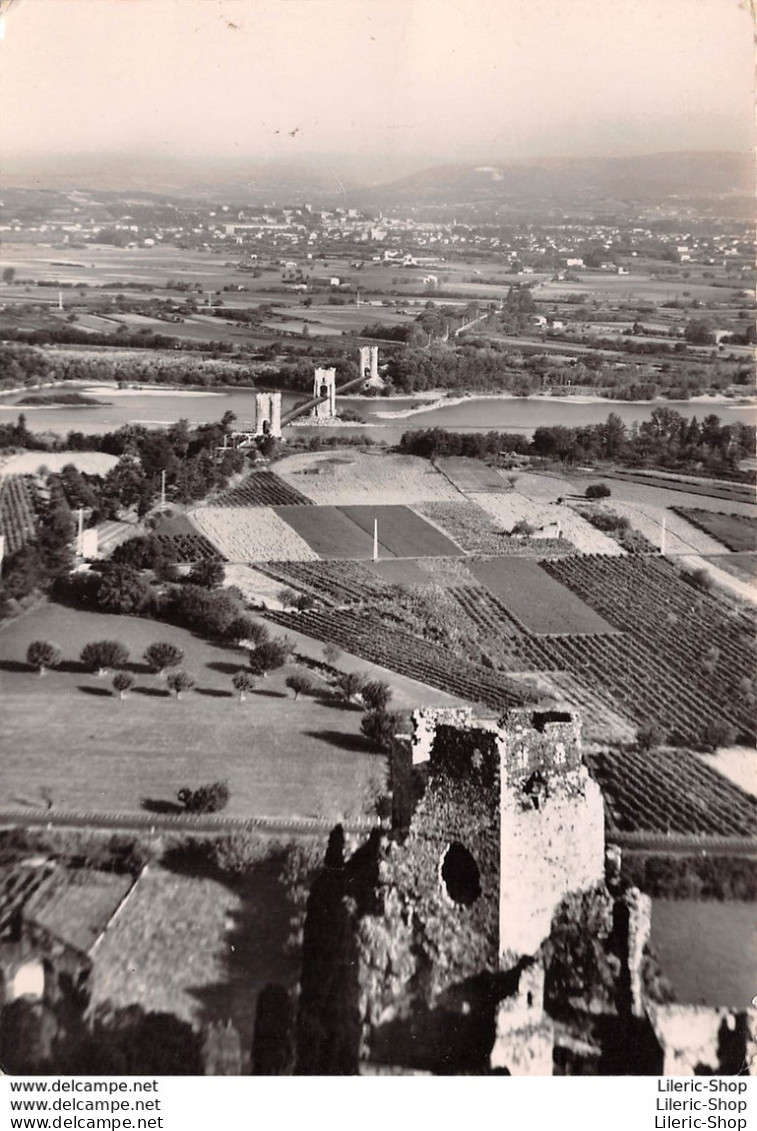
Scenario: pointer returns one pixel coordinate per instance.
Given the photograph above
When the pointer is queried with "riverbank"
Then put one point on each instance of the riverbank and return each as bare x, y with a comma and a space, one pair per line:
441, 401
432, 399
149, 390
115, 390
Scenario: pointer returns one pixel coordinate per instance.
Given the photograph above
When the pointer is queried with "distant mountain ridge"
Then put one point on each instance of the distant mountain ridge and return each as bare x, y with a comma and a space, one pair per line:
383, 182
647, 177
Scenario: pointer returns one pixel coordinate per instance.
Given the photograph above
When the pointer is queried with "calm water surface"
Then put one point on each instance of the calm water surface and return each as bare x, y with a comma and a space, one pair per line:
516, 415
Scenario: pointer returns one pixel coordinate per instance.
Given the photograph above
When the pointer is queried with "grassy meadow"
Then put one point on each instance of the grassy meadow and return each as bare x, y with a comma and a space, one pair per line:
65, 734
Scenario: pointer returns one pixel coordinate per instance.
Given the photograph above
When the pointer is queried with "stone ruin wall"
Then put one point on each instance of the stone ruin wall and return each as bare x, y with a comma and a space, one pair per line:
524, 1037
546, 855
693, 1038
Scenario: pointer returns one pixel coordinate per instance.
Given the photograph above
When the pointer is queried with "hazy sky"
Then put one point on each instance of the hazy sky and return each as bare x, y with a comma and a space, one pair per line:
454, 79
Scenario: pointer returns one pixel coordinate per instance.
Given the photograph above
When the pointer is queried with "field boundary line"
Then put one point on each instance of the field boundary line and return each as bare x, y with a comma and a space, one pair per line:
183, 822
683, 843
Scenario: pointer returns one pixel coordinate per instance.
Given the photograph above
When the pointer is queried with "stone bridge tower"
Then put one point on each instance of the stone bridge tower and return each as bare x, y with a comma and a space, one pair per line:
324, 385
268, 414
369, 367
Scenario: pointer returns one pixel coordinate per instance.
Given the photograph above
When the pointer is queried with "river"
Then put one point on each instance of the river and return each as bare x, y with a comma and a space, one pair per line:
155, 407
707, 950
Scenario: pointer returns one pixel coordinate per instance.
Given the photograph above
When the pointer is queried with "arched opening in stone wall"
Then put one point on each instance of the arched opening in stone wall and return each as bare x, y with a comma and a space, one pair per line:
460, 875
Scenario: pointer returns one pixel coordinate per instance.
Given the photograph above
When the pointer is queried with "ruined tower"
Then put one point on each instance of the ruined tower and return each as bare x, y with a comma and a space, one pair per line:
551, 825
551, 819
444, 959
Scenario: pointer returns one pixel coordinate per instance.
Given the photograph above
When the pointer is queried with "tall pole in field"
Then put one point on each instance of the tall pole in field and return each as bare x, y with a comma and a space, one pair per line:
163, 490
662, 536
375, 539
80, 534
60, 300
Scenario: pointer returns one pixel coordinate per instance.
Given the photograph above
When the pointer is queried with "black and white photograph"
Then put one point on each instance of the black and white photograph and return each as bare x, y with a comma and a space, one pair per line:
378, 542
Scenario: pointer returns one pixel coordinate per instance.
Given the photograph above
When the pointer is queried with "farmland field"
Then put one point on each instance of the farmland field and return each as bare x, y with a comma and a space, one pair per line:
682, 657
476, 532
347, 532
542, 607
735, 531
367, 634
354, 478
334, 583
327, 532
681, 536
402, 532
18, 522
513, 507
671, 792
741, 566
67, 734
252, 534
404, 571
261, 489
471, 474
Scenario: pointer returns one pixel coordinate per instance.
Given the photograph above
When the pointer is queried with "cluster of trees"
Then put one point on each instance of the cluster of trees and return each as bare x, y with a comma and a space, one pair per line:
667, 440
209, 798
192, 467
22, 365
487, 365
62, 333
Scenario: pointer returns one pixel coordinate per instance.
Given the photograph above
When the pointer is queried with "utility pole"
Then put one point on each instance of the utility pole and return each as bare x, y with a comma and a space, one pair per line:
163, 490
60, 300
662, 539
80, 534
2, 552
375, 539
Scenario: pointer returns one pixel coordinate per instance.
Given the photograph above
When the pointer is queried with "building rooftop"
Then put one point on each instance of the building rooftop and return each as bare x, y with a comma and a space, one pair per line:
76, 906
